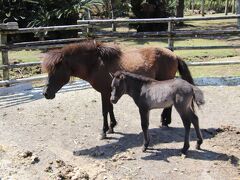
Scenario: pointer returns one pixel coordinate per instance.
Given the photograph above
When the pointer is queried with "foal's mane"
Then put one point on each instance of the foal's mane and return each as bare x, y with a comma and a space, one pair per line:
91, 47
135, 76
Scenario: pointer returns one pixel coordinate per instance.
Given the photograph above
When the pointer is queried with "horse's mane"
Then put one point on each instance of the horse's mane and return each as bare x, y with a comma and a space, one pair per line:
104, 51
134, 76
50, 59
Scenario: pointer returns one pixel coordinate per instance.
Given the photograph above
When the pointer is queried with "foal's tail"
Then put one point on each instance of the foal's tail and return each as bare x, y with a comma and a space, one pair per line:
198, 97
184, 71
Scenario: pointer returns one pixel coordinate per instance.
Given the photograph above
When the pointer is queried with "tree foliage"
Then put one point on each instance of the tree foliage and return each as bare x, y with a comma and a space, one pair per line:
216, 5
152, 9
45, 12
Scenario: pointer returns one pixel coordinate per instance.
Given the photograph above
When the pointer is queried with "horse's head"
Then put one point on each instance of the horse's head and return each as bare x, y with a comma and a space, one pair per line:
58, 73
118, 87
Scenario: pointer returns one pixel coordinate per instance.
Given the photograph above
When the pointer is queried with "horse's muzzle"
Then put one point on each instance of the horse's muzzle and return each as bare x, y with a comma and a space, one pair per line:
47, 94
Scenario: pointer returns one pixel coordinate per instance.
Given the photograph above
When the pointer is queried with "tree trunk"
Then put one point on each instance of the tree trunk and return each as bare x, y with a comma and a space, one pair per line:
150, 9
180, 8
226, 7
233, 6
193, 3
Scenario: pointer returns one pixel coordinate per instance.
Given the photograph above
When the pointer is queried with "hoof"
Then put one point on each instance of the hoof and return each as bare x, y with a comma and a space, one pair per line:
110, 131
183, 156
198, 147
164, 127
103, 136
184, 152
144, 149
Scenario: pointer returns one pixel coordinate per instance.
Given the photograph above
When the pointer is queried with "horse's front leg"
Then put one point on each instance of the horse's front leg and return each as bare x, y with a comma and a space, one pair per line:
166, 116
113, 121
145, 123
105, 110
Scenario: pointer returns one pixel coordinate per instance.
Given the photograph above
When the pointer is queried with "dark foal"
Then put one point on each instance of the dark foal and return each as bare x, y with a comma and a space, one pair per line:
150, 94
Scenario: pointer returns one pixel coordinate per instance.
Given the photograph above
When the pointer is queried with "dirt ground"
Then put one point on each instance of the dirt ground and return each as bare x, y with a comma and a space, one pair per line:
59, 139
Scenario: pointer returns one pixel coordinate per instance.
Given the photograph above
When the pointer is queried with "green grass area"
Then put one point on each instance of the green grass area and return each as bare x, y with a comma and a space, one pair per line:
215, 71
188, 55
23, 56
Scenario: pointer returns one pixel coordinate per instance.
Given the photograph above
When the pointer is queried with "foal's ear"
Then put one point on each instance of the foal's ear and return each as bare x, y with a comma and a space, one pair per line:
122, 76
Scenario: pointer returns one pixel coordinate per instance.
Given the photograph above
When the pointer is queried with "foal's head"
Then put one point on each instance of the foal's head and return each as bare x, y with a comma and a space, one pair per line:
58, 73
118, 87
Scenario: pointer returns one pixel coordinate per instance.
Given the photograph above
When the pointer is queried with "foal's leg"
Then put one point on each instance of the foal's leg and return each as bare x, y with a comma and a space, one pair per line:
145, 123
113, 121
194, 120
166, 116
105, 110
187, 124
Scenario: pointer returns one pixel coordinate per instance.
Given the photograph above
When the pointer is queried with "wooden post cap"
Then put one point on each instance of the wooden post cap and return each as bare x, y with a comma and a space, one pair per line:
9, 26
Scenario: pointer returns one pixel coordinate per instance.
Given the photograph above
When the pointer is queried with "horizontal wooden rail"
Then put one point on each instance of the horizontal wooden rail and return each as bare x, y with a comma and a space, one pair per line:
213, 63
40, 44
156, 20
206, 47
20, 65
44, 29
15, 81
178, 33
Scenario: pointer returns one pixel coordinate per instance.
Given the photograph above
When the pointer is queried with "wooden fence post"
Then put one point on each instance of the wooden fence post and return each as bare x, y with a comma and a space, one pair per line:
5, 61
170, 39
113, 24
3, 42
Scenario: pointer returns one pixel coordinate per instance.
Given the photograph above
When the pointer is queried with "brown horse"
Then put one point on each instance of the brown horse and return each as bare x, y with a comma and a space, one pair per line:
94, 61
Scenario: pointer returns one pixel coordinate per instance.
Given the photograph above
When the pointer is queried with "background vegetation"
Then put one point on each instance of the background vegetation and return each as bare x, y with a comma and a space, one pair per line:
30, 13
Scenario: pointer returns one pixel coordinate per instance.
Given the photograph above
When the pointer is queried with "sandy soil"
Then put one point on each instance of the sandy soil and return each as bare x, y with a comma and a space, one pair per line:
59, 139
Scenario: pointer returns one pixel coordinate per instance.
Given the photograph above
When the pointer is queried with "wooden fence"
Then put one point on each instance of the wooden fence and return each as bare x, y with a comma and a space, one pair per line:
87, 28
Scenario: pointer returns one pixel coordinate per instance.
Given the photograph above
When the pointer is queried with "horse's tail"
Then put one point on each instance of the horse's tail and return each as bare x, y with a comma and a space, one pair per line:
198, 97
184, 71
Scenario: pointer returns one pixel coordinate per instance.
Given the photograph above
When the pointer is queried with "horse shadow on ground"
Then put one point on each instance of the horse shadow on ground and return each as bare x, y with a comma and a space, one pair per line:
158, 136
36, 94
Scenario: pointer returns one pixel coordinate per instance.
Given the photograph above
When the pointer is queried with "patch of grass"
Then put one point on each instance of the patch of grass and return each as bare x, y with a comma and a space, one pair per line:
188, 55
23, 56
206, 54
215, 71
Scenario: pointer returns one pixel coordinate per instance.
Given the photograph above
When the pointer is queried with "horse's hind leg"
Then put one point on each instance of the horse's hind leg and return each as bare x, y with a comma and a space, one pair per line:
166, 116
195, 121
145, 123
113, 121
